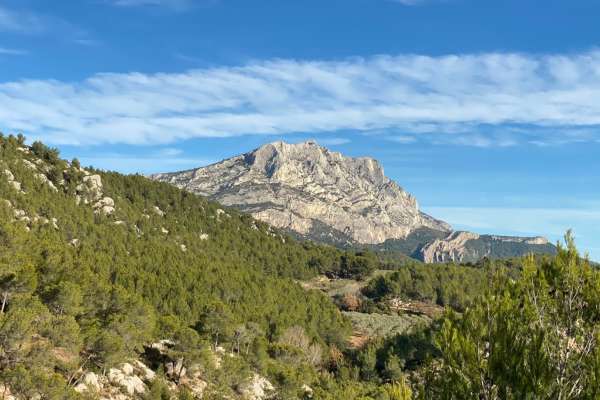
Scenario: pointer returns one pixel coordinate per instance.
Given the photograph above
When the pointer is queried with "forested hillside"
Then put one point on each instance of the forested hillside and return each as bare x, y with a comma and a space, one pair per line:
96, 264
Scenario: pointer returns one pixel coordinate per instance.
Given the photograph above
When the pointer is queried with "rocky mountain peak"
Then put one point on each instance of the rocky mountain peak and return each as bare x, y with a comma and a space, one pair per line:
275, 160
312, 191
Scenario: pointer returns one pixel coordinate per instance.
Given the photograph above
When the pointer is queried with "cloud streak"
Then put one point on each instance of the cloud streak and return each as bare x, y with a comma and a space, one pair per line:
494, 99
19, 22
12, 52
173, 4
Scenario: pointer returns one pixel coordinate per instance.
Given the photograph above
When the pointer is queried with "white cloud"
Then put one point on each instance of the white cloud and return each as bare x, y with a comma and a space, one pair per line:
482, 100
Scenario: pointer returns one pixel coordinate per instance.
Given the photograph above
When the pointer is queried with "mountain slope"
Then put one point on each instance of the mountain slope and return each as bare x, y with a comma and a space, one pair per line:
95, 266
306, 188
321, 195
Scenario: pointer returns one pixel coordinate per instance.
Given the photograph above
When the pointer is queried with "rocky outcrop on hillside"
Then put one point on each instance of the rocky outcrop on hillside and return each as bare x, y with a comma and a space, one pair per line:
470, 247
309, 190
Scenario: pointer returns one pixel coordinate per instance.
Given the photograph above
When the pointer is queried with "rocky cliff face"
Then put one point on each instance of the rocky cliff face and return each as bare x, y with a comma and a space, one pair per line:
471, 247
309, 190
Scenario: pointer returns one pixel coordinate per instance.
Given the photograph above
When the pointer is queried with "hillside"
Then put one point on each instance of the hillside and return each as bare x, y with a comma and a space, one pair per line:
94, 266
317, 194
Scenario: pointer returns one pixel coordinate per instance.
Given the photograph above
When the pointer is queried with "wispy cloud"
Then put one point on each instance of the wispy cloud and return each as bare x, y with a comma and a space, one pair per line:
334, 141
481, 99
19, 21
416, 2
150, 161
409, 2
12, 52
87, 42
172, 4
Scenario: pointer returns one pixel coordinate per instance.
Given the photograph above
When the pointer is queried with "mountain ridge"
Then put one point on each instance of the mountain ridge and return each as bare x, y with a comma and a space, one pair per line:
304, 183
322, 195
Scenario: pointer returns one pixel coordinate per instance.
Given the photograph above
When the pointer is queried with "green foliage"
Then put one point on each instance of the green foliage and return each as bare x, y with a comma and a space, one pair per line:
95, 289
444, 284
534, 337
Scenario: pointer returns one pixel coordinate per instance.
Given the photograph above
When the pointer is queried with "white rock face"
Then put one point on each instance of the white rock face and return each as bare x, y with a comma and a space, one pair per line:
131, 383
457, 247
451, 248
90, 380
106, 205
258, 388
11, 180
296, 186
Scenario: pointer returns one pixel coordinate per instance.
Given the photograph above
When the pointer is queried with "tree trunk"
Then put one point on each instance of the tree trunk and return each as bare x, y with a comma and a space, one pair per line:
4, 300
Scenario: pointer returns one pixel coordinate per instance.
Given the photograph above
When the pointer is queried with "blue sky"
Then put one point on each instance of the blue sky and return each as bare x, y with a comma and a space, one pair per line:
487, 111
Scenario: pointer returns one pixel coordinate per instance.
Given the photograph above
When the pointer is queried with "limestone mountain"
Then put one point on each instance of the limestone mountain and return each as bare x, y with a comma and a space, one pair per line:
312, 191
322, 195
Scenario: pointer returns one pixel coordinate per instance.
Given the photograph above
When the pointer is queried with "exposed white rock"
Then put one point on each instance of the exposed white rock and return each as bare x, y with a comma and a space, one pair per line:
29, 164
258, 388
145, 372
90, 189
158, 211
203, 236
456, 247
131, 383
5, 392
164, 230
16, 185
295, 186
106, 205
308, 391
183, 247
163, 345
127, 369
11, 180
451, 248
94, 182
44, 179
197, 386
9, 175
90, 380
539, 240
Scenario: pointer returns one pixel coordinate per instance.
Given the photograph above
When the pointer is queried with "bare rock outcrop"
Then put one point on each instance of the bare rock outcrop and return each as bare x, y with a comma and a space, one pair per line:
302, 187
468, 247
451, 248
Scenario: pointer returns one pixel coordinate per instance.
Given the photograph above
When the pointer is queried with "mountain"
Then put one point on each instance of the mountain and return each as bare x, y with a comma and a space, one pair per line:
314, 192
322, 195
